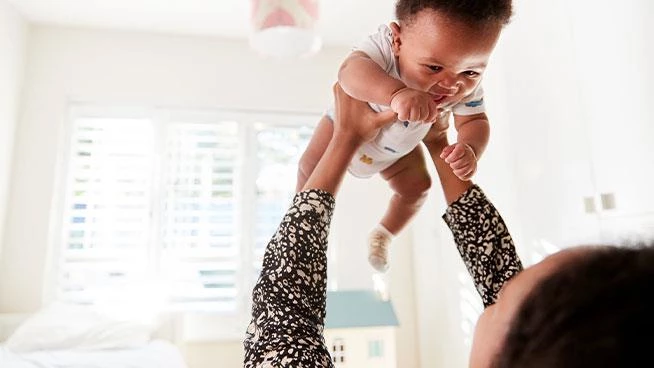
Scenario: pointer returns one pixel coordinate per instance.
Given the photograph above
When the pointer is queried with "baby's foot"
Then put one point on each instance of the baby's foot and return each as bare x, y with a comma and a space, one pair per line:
378, 243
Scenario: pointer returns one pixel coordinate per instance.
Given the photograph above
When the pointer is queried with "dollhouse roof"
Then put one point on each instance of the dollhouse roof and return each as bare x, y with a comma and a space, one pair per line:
358, 308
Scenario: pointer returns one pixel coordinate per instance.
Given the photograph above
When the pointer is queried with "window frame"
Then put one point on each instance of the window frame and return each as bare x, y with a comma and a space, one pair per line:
244, 192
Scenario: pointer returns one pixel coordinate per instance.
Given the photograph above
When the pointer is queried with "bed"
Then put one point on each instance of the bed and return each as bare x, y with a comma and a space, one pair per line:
65, 336
155, 354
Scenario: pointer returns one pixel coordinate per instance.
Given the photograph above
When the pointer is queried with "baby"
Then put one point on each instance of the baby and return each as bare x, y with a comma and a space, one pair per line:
424, 66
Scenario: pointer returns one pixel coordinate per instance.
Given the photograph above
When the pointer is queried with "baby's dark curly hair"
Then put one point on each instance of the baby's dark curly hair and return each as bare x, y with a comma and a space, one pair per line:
473, 12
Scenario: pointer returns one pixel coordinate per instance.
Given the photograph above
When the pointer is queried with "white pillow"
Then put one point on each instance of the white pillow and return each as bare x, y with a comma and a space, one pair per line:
65, 326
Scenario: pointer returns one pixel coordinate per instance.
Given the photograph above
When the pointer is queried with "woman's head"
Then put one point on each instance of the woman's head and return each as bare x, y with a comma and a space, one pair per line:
582, 307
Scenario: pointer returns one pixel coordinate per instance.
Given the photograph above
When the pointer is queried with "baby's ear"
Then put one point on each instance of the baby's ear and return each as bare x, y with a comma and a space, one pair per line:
397, 41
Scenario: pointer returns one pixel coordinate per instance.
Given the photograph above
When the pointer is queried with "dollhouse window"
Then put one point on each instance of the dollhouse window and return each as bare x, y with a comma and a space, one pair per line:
338, 351
375, 349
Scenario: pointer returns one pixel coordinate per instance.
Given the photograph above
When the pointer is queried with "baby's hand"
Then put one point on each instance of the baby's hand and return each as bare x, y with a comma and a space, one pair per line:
462, 160
414, 105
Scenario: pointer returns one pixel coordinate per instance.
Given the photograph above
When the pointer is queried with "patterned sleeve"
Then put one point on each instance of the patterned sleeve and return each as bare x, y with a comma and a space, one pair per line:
484, 242
288, 310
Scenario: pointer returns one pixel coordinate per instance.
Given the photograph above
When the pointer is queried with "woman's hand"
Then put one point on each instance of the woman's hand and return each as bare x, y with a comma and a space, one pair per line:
356, 120
355, 123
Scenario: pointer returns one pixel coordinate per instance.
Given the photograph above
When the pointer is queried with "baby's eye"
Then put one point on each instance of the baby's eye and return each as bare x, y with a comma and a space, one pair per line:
435, 68
471, 73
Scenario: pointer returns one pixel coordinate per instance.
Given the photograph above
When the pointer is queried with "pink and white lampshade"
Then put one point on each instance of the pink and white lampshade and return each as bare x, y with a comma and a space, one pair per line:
285, 28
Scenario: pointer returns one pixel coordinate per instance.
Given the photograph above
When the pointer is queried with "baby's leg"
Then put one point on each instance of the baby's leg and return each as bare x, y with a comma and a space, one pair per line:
316, 148
410, 181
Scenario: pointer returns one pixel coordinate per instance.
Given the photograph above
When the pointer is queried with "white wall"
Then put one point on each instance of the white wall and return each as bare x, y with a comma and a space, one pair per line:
13, 39
127, 69
360, 206
570, 119
139, 69
535, 160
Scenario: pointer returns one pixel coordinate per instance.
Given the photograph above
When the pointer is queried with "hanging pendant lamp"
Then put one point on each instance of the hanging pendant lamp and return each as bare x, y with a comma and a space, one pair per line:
285, 29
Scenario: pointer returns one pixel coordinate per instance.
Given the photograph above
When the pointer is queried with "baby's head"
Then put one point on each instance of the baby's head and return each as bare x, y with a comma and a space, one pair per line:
471, 12
443, 46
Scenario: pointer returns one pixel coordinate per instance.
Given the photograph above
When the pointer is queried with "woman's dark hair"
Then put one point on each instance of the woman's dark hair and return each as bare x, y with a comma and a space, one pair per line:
473, 12
597, 311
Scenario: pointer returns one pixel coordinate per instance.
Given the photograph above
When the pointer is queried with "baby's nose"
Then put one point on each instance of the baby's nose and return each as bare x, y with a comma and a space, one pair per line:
449, 86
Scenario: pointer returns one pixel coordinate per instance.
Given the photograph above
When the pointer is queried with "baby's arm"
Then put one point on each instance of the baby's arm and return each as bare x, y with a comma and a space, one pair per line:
473, 130
362, 78
472, 137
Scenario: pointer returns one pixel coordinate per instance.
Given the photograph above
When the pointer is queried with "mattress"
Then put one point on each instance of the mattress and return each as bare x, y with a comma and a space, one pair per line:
156, 354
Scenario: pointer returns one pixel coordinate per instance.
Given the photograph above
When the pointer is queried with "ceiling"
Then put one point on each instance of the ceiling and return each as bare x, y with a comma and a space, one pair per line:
342, 22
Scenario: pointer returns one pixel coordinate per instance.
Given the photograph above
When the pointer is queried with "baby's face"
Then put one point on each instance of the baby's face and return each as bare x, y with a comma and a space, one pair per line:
442, 56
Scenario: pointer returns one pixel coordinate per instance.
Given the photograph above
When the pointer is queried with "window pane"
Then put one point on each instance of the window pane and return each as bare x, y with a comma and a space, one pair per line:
107, 207
278, 152
199, 218
161, 204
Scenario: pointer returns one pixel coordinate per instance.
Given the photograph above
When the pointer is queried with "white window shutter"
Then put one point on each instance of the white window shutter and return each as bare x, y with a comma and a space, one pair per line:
183, 205
279, 149
107, 207
199, 223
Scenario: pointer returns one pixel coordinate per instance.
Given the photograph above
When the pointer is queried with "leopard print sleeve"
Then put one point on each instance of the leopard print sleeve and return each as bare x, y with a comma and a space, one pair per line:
288, 310
484, 242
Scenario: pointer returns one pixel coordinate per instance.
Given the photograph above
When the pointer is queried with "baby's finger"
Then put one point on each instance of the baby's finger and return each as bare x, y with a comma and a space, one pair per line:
461, 173
415, 114
432, 113
469, 174
446, 151
460, 164
411, 112
458, 152
402, 115
433, 110
423, 113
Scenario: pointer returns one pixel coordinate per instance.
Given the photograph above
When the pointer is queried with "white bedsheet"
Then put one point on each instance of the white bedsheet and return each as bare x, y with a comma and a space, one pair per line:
157, 354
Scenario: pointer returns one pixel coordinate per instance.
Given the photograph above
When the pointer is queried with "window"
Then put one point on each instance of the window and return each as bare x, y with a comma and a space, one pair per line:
375, 349
176, 206
338, 351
